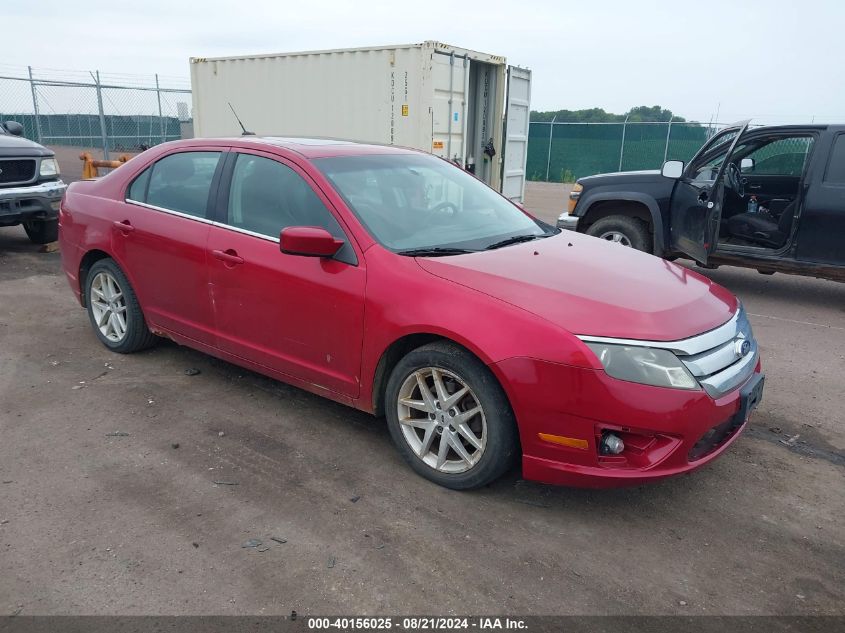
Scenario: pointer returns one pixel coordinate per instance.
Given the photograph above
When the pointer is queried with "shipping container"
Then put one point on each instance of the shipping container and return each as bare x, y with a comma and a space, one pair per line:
469, 107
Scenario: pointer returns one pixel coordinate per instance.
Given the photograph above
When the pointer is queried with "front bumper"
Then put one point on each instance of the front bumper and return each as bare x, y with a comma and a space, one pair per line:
566, 221
32, 202
666, 431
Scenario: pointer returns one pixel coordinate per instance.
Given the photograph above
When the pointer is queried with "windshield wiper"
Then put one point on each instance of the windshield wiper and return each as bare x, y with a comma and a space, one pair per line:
516, 239
434, 251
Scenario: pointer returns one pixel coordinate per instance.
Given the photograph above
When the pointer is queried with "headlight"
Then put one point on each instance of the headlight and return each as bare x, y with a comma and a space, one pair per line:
573, 197
49, 167
646, 365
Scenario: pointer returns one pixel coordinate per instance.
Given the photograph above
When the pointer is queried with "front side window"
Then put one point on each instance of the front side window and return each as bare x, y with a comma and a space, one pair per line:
178, 182
707, 166
782, 157
267, 196
410, 202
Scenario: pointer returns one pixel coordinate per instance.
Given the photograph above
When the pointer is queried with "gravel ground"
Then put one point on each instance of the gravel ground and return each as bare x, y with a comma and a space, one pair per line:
100, 513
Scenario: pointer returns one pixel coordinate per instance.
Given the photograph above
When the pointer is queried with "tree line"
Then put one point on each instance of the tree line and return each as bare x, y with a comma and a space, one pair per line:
638, 114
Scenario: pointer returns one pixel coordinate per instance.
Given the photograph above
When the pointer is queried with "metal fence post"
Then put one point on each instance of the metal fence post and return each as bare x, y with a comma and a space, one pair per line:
160, 118
549, 158
102, 116
35, 105
668, 132
622, 149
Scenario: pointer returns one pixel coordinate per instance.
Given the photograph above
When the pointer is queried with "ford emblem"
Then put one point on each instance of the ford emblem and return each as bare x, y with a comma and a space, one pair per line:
742, 347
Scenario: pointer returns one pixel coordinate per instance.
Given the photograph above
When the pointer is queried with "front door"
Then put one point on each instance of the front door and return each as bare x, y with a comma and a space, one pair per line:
696, 206
301, 316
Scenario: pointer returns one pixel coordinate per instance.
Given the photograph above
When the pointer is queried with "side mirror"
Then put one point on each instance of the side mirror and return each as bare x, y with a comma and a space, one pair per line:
14, 128
308, 241
746, 164
673, 168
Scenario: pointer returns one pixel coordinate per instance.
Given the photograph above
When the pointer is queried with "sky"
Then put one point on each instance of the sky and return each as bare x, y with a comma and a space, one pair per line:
775, 61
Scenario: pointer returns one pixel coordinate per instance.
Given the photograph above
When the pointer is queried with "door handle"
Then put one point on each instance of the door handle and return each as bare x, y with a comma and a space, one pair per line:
229, 256
702, 197
755, 187
124, 226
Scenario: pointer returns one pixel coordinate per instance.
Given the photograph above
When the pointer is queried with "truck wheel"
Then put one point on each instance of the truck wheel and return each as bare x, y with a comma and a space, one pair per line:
42, 231
623, 230
450, 418
114, 310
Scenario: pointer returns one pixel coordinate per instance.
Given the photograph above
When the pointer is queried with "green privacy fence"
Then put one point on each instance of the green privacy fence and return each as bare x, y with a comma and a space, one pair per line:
123, 133
564, 152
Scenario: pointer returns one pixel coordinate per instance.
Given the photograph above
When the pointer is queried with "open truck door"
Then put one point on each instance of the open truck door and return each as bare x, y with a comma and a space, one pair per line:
696, 207
517, 119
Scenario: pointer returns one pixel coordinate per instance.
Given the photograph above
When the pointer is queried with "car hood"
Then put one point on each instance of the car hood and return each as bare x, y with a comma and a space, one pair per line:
619, 177
13, 146
593, 287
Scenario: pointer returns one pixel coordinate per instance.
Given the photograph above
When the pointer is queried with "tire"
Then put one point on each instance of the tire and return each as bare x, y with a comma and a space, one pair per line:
108, 294
42, 231
624, 230
492, 425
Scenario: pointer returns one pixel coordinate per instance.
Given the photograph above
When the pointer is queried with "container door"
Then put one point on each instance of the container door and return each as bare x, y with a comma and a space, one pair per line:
517, 118
449, 75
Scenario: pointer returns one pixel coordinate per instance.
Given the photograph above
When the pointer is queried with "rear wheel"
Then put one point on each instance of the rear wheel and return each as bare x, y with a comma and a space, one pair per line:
114, 310
623, 230
450, 418
42, 231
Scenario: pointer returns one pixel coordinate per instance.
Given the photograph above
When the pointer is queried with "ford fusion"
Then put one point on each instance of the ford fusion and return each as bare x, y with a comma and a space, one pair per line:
395, 282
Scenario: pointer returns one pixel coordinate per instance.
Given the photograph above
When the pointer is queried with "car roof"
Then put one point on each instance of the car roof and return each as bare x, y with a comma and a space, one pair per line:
308, 147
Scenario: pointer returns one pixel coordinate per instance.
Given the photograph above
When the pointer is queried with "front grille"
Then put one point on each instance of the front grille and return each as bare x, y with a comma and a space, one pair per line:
729, 358
17, 170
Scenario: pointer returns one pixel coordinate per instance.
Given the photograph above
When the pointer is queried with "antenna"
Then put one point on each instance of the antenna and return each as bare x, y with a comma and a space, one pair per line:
244, 133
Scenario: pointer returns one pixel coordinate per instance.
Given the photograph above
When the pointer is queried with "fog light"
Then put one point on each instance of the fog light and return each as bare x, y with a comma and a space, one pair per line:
611, 444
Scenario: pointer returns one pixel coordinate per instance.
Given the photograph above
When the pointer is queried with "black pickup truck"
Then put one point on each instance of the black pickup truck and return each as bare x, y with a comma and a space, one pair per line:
30, 185
770, 198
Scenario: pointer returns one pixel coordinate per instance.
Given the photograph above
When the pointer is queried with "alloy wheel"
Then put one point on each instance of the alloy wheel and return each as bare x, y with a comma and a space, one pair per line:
616, 237
108, 306
442, 420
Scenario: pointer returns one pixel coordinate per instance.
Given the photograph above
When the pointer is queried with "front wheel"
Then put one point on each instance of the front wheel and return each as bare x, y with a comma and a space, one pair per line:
114, 310
450, 418
42, 231
623, 230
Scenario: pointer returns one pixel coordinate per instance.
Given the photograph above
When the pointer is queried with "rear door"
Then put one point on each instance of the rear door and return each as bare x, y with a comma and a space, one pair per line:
696, 206
159, 236
821, 227
517, 119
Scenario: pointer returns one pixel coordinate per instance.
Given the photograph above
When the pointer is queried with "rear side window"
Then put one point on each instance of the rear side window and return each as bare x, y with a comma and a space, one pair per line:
835, 173
179, 182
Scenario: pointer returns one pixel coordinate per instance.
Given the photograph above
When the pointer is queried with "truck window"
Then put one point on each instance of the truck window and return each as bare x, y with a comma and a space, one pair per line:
781, 157
835, 172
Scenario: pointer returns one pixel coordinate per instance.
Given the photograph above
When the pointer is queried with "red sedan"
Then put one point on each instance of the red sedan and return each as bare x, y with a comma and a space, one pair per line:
394, 282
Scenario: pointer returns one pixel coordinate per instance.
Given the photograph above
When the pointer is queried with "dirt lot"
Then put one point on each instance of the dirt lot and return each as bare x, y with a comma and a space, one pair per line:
97, 523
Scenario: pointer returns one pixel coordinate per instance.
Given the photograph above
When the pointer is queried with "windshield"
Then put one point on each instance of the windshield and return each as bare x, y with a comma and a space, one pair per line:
418, 202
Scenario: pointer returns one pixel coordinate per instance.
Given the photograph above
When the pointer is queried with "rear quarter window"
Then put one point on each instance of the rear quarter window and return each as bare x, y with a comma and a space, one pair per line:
138, 189
835, 172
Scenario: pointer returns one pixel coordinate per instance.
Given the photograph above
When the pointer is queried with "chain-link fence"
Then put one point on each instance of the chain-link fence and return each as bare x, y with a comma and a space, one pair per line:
564, 152
87, 109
